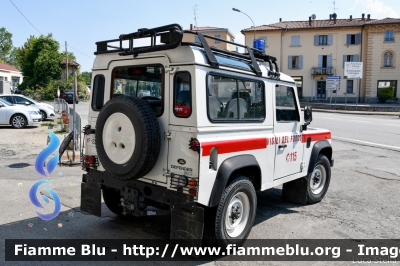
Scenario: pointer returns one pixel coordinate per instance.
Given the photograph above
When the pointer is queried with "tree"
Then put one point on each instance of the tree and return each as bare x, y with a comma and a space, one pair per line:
39, 59
7, 52
87, 76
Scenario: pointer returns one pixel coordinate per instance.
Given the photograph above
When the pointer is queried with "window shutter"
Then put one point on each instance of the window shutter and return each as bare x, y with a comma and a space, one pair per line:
290, 60
344, 59
330, 39
329, 61
300, 61
316, 40
348, 39
358, 38
356, 58
320, 60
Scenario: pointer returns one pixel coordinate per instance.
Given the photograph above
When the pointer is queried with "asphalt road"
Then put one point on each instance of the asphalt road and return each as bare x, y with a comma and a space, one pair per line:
362, 201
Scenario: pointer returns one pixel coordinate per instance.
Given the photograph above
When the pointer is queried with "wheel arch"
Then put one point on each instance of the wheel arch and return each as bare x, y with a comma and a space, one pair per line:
232, 167
320, 147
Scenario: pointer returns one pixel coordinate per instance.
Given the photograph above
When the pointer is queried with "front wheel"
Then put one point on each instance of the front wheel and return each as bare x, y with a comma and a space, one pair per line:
318, 180
235, 214
18, 121
43, 114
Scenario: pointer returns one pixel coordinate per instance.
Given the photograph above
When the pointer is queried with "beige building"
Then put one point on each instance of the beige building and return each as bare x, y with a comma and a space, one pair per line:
222, 33
312, 50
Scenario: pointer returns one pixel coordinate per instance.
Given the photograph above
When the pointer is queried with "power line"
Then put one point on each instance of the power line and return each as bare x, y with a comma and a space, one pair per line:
25, 17
78, 51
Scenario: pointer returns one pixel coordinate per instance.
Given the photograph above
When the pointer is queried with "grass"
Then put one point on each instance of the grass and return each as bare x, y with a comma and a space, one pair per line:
48, 124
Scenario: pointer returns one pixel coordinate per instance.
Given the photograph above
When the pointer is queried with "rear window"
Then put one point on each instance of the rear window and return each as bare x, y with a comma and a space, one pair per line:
145, 82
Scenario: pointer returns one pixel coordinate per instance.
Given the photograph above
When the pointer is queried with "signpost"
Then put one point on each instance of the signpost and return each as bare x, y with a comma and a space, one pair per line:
333, 84
354, 70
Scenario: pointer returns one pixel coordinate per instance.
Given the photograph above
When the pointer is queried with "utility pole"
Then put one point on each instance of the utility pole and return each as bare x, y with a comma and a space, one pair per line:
66, 55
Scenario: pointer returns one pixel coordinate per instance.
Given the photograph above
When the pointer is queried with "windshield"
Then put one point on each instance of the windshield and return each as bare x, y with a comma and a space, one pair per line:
5, 102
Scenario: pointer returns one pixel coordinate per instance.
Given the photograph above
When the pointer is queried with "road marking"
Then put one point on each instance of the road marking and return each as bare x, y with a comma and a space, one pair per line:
392, 125
361, 121
368, 143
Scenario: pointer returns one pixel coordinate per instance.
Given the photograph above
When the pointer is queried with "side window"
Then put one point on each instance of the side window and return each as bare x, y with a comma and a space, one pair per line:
235, 100
144, 82
286, 108
19, 100
98, 92
8, 99
182, 95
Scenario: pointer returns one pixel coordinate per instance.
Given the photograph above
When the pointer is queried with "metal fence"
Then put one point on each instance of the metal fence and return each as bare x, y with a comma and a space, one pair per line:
61, 105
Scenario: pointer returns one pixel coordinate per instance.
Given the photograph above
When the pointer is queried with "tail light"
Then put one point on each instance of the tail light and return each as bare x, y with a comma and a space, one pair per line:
90, 161
87, 130
193, 192
194, 144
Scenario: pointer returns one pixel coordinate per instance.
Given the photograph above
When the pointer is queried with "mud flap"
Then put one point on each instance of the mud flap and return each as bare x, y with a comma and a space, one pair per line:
187, 225
91, 198
296, 190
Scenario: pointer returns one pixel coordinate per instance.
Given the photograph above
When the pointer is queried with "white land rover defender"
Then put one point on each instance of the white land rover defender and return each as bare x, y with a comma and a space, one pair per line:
196, 131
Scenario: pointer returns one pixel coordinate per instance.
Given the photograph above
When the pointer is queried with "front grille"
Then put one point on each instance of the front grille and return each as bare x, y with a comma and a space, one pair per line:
176, 184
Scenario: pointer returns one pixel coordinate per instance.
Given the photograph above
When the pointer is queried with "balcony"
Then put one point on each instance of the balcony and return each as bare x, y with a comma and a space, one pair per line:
322, 71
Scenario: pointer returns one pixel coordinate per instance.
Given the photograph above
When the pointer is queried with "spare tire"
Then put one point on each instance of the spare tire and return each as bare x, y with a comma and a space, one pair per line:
128, 137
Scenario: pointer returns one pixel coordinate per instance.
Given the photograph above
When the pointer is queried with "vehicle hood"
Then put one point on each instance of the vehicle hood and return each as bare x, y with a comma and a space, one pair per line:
45, 105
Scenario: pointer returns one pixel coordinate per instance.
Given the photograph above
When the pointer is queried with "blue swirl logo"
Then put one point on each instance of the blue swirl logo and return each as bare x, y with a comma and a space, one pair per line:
35, 200
44, 154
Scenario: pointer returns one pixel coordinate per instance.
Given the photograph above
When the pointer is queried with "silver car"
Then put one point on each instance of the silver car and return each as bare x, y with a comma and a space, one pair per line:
18, 116
46, 110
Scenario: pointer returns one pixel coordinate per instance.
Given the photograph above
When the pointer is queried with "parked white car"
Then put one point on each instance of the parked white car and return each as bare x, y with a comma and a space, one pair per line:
46, 110
18, 116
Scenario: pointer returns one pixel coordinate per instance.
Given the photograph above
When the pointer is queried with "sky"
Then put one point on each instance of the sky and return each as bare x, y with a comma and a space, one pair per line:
83, 23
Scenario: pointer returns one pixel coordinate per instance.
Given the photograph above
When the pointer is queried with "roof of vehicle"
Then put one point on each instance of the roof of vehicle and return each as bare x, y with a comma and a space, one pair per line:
176, 52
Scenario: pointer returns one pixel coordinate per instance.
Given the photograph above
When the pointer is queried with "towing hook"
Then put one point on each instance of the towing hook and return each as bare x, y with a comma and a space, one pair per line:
127, 207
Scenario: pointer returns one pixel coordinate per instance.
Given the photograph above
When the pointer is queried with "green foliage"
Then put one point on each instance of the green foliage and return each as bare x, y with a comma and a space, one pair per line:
49, 92
87, 76
385, 94
39, 60
7, 51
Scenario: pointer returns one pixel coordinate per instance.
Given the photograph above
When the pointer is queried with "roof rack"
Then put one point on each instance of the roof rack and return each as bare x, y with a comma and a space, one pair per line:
171, 37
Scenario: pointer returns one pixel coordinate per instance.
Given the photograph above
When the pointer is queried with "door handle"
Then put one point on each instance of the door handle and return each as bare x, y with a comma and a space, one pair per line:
282, 146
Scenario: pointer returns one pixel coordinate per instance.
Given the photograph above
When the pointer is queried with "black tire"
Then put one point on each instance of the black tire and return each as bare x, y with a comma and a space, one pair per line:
135, 153
43, 114
318, 180
112, 199
216, 231
18, 121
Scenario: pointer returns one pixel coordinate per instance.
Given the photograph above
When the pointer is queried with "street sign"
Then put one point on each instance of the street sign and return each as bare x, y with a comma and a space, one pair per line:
333, 83
353, 70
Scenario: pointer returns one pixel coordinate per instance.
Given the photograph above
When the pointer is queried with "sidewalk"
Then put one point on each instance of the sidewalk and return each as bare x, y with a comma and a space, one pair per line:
351, 108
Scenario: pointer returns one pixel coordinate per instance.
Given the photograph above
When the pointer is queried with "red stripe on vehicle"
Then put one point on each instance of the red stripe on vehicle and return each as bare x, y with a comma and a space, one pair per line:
316, 136
228, 146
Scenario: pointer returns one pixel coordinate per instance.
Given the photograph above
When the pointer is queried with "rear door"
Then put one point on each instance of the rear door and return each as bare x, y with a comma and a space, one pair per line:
182, 161
288, 144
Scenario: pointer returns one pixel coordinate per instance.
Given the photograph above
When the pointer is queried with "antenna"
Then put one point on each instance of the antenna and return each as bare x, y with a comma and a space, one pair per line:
313, 16
195, 15
334, 6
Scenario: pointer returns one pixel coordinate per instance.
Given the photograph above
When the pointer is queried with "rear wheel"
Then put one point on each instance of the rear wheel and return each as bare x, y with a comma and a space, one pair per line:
18, 121
232, 220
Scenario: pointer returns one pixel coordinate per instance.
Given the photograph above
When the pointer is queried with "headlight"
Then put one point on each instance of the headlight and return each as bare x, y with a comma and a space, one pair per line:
32, 112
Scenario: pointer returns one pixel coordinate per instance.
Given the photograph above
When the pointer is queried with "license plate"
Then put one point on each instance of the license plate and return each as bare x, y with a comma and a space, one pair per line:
91, 140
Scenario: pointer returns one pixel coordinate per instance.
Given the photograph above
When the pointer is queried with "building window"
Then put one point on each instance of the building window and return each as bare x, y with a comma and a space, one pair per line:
299, 85
353, 39
197, 39
384, 84
295, 41
388, 60
323, 39
217, 36
5, 78
1, 78
389, 36
295, 62
350, 58
349, 86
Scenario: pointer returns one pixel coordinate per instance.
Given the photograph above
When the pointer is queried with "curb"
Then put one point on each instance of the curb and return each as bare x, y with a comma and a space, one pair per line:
357, 112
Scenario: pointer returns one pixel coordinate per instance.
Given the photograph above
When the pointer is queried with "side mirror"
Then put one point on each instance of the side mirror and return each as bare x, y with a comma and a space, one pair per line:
27, 103
307, 115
